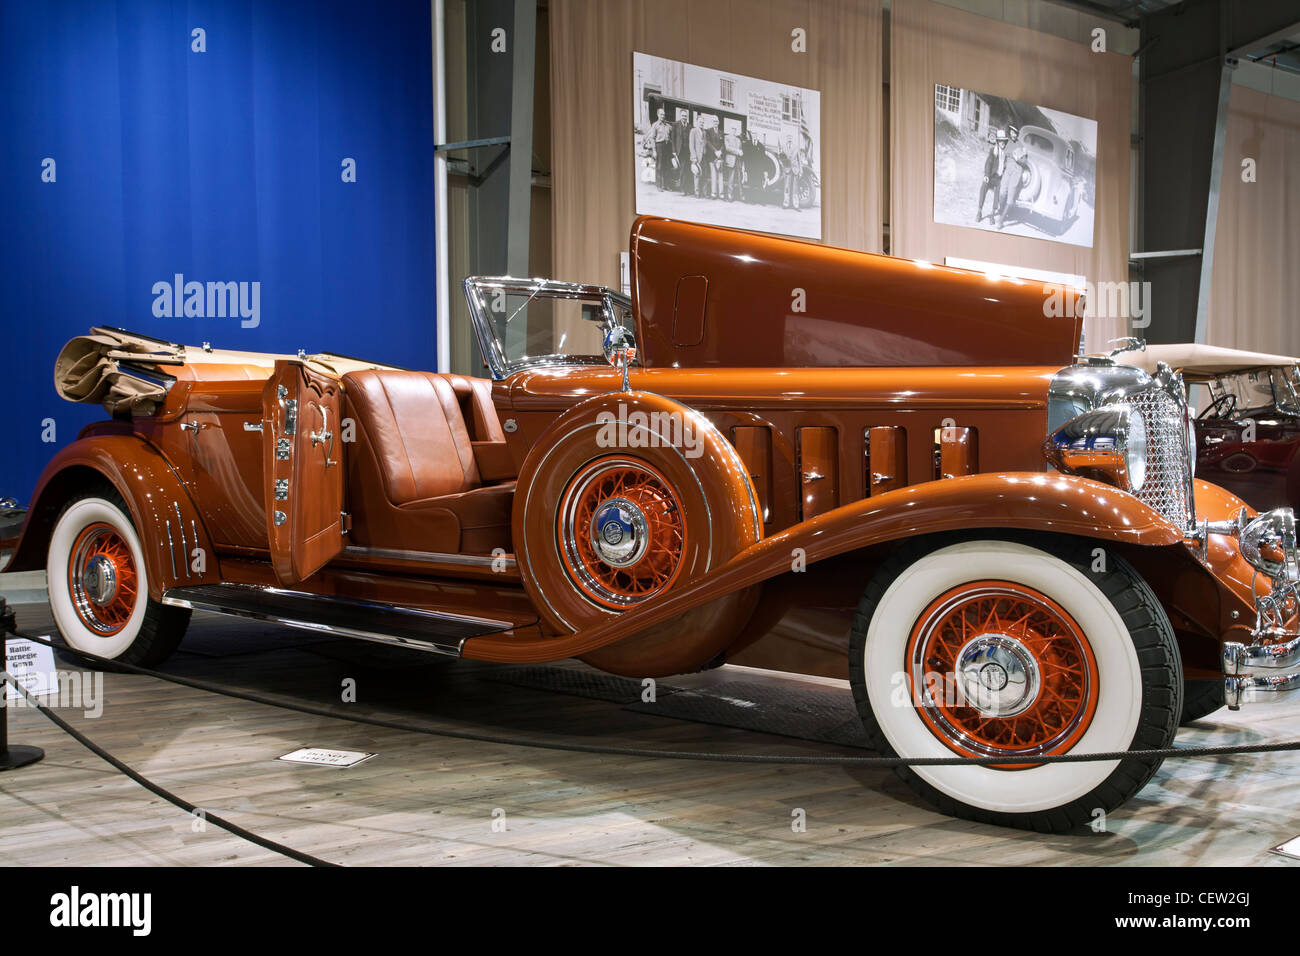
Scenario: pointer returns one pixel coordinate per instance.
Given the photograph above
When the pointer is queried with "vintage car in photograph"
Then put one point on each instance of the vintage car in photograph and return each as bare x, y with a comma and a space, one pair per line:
1049, 186
774, 453
1248, 427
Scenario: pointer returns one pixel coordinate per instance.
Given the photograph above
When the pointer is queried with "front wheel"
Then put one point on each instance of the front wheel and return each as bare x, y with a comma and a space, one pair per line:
1200, 699
992, 648
99, 586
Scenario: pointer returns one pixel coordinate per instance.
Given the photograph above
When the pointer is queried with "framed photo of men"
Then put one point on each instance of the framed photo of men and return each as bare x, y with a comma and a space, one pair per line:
1007, 166
726, 149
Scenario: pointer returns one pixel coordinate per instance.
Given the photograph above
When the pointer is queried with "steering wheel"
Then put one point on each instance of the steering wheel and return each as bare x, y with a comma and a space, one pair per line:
1221, 407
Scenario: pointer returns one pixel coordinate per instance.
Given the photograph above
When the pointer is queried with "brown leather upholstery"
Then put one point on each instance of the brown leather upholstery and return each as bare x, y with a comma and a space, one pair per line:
415, 425
476, 408
414, 441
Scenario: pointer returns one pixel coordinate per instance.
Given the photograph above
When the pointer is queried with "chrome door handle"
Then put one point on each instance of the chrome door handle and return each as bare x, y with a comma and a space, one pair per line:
193, 426
324, 435
250, 427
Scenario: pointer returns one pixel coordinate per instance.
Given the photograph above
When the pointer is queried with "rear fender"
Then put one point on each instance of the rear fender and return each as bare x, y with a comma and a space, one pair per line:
169, 525
1029, 501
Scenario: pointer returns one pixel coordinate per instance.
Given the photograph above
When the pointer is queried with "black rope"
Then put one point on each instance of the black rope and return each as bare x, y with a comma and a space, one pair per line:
149, 785
571, 747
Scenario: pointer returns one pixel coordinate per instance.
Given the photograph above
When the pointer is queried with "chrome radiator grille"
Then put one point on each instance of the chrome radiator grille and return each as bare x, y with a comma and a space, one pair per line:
1168, 457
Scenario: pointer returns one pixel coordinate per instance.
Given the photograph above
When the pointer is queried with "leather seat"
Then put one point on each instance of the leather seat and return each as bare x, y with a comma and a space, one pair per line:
413, 480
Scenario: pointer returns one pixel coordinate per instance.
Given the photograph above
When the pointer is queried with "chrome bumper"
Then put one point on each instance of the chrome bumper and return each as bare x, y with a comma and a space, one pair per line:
1262, 673
1267, 670
1260, 690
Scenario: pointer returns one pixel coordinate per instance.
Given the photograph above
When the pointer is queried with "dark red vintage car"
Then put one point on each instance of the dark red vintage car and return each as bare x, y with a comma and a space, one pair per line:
802, 458
1248, 430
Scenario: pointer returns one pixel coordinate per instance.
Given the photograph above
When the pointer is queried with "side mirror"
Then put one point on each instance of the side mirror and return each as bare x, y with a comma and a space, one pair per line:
620, 350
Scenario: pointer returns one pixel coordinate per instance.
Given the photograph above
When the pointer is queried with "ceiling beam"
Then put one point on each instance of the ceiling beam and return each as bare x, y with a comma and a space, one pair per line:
1252, 25
1097, 9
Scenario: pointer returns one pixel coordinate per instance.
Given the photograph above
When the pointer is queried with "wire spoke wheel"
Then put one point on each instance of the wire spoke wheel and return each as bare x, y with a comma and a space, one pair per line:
102, 579
999, 668
620, 531
98, 582
1053, 653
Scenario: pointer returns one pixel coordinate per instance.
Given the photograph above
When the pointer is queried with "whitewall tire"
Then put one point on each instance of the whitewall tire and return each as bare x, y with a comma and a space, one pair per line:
1017, 648
99, 587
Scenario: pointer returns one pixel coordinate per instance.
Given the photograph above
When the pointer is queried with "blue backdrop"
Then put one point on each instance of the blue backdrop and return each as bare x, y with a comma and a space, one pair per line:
218, 155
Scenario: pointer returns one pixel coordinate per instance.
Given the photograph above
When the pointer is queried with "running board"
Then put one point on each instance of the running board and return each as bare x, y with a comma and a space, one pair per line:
433, 631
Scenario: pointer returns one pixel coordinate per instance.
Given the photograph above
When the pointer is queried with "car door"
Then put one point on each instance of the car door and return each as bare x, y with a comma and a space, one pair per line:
303, 472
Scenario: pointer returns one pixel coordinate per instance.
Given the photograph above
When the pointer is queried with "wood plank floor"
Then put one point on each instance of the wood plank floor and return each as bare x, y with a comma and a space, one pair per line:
428, 800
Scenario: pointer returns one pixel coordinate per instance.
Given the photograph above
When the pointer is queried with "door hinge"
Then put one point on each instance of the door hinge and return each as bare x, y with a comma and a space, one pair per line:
345, 522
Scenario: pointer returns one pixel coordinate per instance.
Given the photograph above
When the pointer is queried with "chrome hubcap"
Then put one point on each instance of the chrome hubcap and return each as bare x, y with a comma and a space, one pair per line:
99, 580
998, 675
619, 532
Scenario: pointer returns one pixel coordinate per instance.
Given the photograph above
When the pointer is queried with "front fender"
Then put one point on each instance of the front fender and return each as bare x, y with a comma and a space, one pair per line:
1035, 501
165, 517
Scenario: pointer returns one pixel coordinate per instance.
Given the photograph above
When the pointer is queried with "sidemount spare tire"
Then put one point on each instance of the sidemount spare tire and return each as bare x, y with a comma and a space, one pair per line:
625, 497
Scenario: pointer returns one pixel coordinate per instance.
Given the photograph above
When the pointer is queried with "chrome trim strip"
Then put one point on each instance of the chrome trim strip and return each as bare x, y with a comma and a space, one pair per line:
131, 368
171, 547
185, 548
427, 557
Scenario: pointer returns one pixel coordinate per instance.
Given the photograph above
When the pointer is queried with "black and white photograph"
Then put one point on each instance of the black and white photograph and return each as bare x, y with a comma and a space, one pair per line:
726, 149
1013, 167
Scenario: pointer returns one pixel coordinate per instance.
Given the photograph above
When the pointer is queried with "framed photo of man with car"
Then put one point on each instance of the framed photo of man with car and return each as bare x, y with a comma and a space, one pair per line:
726, 149
1006, 166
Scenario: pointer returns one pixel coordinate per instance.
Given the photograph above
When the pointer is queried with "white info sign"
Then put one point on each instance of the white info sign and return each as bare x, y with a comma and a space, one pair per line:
31, 665
327, 758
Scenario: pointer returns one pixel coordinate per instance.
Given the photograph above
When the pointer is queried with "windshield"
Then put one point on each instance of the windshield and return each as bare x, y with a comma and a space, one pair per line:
1261, 388
523, 323
1286, 388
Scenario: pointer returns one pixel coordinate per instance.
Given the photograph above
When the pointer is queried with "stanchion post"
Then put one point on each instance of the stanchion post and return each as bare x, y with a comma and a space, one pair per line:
16, 756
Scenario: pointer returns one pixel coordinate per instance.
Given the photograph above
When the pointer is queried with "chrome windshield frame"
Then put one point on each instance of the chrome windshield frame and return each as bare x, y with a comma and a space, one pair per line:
477, 288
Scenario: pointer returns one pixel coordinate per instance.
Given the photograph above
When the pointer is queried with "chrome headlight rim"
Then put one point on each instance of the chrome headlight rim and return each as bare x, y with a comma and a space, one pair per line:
1108, 443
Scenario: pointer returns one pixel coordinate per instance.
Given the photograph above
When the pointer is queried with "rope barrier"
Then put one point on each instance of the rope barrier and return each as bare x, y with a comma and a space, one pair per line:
605, 750
152, 787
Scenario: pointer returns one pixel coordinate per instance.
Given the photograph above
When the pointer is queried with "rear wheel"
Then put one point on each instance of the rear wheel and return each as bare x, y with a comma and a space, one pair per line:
990, 648
99, 588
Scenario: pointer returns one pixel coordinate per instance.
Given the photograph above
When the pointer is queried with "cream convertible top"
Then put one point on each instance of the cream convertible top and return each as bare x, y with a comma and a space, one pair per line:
1201, 363
126, 372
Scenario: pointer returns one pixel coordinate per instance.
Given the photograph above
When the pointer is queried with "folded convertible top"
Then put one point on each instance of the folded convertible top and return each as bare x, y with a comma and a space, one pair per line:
129, 373
117, 369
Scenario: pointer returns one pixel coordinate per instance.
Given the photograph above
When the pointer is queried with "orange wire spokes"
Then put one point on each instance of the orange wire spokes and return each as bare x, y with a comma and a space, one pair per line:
650, 494
1058, 702
101, 542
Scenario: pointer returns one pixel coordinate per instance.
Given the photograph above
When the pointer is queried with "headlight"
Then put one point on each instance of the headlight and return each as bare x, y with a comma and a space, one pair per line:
1107, 443
1135, 450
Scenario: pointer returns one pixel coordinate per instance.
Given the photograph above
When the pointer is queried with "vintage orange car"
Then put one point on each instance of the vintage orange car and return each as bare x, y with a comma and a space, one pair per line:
774, 453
